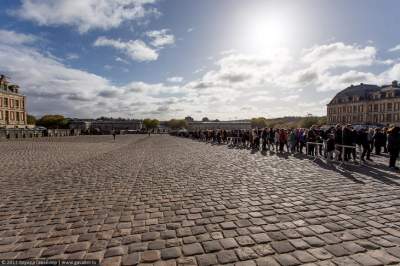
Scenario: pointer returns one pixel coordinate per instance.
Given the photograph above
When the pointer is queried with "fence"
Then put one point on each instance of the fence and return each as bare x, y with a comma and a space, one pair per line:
22, 133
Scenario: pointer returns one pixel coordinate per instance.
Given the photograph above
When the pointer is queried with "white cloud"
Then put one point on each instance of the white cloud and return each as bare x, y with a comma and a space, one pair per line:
396, 48
137, 50
119, 59
160, 38
190, 29
72, 56
12, 37
85, 15
339, 55
175, 79
240, 85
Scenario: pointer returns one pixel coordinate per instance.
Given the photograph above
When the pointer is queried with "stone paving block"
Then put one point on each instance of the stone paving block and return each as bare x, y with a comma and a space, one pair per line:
171, 253
303, 256
77, 247
227, 256
211, 246
131, 259
206, 259
261, 238
228, 243
246, 253
263, 250
192, 249
287, 260
244, 240
383, 257
282, 246
150, 256
337, 250
267, 261
320, 253
366, 260
112, 261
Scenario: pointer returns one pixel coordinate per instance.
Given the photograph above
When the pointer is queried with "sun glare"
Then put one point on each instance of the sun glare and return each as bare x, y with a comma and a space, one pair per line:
264, 30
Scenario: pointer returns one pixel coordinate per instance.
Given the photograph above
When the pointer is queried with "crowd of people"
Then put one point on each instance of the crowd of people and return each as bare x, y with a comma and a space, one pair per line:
335, 143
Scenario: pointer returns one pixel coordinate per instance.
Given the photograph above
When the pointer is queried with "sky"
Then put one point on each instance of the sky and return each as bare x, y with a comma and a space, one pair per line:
225, 59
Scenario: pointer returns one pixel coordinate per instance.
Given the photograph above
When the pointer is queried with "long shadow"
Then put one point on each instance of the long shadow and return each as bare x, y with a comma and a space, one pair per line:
384, 177
334, 168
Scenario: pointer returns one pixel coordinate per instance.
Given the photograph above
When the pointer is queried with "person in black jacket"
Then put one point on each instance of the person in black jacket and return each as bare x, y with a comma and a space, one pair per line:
348, 139
394, 146
364, 142
379, 141
339, 141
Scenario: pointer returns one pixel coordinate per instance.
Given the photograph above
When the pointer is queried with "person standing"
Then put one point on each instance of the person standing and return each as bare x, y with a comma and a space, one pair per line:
113, 133
393, 146
364, 141
379, 141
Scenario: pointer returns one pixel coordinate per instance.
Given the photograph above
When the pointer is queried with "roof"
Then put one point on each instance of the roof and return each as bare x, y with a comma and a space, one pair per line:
363, 91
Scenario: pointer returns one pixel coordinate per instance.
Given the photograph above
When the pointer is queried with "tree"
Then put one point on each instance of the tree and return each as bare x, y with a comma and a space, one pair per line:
177, 123
30, 119
189, 119
205, 119
259, 122
150, 123
307, 122
53, 121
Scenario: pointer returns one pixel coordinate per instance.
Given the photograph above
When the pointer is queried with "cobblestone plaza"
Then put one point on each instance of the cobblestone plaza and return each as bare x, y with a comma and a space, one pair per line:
162, 200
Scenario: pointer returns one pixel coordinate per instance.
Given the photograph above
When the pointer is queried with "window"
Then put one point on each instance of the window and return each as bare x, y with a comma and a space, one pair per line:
17, 116
5, 102
1, 102
16, 104
1, 115
389, 106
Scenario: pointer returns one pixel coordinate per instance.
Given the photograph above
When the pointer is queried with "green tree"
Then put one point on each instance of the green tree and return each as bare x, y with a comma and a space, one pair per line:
30, 119
53, 121
307, 122
259, 122
205, 119
150, 123
177, 123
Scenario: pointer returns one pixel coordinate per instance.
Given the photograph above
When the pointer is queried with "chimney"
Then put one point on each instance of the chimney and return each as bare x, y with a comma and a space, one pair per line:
395, 84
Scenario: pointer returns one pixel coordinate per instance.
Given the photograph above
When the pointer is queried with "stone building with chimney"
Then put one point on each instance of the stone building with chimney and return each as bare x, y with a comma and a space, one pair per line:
366, 104
12, 105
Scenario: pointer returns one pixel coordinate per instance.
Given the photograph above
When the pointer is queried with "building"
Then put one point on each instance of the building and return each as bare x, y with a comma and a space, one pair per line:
104, 126
227, 125
12, 105
366, 104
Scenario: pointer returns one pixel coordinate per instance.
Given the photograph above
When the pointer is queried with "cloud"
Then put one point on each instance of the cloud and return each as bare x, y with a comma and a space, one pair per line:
175, 79
137, 50
85, 15
160, 38
72, 56
339, 55
12, 37
275, 83
190, 29
396, 48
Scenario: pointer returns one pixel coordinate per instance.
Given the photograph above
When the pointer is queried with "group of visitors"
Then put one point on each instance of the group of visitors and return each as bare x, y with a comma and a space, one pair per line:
340, 142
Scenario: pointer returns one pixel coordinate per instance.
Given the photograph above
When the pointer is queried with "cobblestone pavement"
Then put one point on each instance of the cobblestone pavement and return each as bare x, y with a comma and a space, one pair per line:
162, 200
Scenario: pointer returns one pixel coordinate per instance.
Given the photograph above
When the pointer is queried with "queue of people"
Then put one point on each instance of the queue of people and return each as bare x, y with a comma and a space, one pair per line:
335, 143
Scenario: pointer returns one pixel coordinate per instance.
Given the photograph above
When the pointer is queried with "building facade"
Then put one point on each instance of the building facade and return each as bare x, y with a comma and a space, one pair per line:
227, 125
104, 126
12, 105
366, 104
